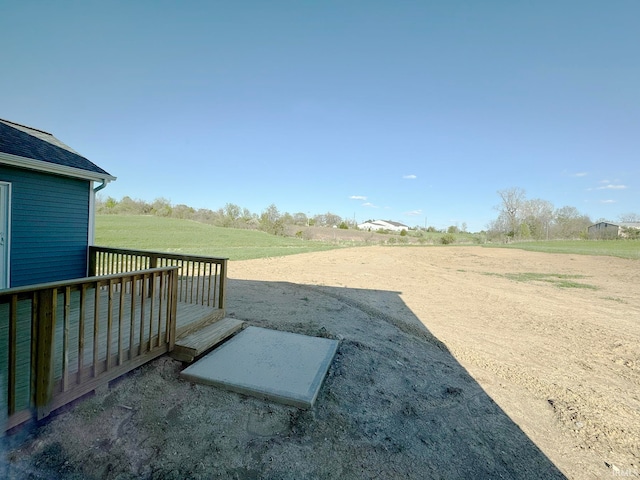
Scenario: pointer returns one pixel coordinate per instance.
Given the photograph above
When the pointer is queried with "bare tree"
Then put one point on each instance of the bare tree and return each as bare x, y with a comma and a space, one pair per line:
496, 228
630, 217
248, 219
327, 219
182, 211
537, 214
512, 201
570, 223
300, 219
161, 207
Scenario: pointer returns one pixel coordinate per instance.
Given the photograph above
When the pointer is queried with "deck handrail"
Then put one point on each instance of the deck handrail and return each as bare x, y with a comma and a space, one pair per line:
201, 279
64, 339
73, 281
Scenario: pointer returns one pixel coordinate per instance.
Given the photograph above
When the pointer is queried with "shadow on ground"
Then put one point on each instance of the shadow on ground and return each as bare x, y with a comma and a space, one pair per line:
395, 404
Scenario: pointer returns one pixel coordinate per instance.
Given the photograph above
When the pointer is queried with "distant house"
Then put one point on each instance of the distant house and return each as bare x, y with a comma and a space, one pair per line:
47, 193
611, 230
374, 225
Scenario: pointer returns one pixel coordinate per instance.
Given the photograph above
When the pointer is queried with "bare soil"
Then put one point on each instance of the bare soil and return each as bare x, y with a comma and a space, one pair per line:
454, 362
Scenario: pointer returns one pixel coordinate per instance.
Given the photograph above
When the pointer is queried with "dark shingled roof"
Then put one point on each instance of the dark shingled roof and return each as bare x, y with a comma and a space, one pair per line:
16, 141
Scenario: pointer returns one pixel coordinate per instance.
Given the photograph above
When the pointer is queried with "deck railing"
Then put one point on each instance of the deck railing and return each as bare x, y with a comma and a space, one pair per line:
59, 341
201, 280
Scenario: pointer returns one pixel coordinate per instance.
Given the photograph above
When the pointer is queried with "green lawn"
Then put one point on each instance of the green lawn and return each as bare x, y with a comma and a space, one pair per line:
613, 248
184, 236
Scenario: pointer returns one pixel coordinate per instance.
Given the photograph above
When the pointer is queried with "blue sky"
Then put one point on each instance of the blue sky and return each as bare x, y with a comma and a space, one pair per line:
412, 111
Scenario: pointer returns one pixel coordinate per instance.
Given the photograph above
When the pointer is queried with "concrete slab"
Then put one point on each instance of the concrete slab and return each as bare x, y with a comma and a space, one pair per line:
284, 367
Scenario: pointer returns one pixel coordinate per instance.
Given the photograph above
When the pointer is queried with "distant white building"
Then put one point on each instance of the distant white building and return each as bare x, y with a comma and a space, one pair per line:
383, 225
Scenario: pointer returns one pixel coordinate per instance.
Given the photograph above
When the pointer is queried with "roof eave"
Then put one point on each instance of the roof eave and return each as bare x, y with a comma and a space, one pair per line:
39, 165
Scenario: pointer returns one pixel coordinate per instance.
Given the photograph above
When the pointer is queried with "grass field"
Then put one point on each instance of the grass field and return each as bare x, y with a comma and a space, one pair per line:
613, 248
184, 236
557, 279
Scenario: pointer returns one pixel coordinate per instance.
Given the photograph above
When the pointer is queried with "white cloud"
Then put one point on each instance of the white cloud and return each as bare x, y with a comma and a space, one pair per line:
607, 201
581, 174
414, 213
612, 187
409, 177
369, 204
357, 197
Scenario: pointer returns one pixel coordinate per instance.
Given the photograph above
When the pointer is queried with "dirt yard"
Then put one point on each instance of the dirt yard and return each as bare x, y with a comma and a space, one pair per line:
454, 362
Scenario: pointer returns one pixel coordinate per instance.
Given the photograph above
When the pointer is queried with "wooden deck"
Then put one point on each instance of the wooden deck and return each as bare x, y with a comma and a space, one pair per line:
129, 323
62, 339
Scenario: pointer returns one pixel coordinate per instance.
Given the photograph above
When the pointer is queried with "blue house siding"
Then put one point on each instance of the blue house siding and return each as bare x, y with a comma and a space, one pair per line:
49, 226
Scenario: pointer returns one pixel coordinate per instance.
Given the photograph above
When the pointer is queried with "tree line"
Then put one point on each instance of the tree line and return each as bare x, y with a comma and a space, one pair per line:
520, 218
270, 220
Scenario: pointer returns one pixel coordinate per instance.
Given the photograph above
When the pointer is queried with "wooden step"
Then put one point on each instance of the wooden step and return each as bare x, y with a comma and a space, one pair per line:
189, 347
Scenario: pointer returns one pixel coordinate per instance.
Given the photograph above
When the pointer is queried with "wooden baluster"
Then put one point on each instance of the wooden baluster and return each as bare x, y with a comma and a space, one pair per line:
160, 298
13, 354
123, 289
81, 320
134, 282
143, 299
65, 338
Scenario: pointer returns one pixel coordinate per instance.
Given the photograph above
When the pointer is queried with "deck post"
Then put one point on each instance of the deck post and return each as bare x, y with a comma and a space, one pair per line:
92, 254
45, 331
223, 285
153, 260
172, 297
